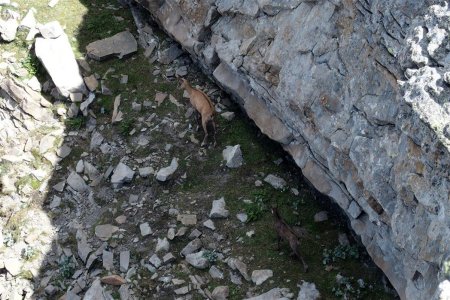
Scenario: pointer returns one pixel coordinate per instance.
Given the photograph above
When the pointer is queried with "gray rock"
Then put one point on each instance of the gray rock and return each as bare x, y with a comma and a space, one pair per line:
124, 261
124, 292
162, 245
83, 246
91, 82
8, 29
79, 167
64, 151
209, 224
354, 210
181, 71
197, 260
171, 233
122, 174
76, 182
168, 258
58, 59
155, 261
218, 209
104, 232
237, 264
220, 293
145, 229
50, 290
215, 273
321, 216
259, 276
121, 45
187, 219
275, 293
56, 202
242, 217
146, 171
235, 278
195, 234
108, 260
308, 291
275, 181
233, 156
229, 115
170, 54
191, 247
165, 173
95, 292
59, 187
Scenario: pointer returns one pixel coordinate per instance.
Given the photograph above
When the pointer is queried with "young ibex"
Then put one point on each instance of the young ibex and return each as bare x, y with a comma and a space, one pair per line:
285, 232
201, 102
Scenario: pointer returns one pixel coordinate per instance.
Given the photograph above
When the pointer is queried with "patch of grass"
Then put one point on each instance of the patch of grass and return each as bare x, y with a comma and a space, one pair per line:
340, 252
29, 253
32, 64
29, 180
75, 123
66, 267
15, 224
126, 126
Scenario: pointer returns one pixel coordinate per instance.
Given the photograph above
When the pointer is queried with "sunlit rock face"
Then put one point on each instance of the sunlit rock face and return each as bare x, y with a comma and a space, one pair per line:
358, 93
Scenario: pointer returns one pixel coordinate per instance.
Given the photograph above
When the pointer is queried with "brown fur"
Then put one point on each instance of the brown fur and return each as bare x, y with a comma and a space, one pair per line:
285, 232
203, 105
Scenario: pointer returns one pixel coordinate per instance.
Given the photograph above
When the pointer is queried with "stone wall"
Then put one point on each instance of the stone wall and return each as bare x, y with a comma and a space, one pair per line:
357, 92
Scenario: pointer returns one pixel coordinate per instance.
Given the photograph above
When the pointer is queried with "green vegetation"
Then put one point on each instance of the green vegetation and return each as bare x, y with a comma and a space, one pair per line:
340, 252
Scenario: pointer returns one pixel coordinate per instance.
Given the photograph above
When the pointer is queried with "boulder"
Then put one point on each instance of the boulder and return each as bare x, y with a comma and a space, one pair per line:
121, 45
56, 55
122, 174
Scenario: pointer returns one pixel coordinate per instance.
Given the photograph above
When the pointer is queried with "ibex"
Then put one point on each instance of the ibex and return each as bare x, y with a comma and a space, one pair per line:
285, 232
203, 105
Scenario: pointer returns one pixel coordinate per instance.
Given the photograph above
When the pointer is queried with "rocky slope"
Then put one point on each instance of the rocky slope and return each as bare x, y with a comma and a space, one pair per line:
357, 92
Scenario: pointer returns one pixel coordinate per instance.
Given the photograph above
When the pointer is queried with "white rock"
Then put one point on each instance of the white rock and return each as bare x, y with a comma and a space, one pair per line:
233, 156
34, 84
51, 30
168, 258
13, 266
308, 291
29, 21
234, 264
259, 276
171, 233
8, 29
275, 181
218, 209
122, 173
229, 115
145, 229
58, 59
165, 173
83, 247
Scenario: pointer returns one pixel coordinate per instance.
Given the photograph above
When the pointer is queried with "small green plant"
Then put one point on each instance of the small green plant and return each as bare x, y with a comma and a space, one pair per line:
8, 239
211, 256
446, 268
348, 288
66, 267
75, 123
340, 252
29, 253
31, 64
126, 126
29, 180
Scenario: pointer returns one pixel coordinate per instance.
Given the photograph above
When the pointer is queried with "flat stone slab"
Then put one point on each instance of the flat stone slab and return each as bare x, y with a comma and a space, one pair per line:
58, 59
120, 45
